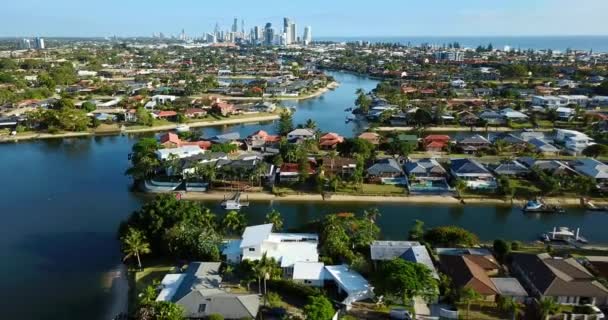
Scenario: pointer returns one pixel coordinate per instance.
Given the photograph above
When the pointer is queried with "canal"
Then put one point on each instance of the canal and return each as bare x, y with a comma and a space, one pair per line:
62, 201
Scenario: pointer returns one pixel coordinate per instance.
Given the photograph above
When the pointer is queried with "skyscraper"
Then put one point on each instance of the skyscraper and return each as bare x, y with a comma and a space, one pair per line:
307, 39
235, 25
268, 34
293, 33
39, 43
287, 25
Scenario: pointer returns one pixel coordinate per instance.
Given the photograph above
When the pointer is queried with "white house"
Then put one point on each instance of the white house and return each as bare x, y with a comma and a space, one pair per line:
303, 133
159, 98
574, 142
286, 248
460, 84
181, 152
352, 283
309, 273
549, 101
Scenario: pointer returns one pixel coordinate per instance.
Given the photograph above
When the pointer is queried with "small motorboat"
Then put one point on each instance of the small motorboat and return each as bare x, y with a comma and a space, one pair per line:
564, 234
182, 128
538, 206
234, 203
590, 206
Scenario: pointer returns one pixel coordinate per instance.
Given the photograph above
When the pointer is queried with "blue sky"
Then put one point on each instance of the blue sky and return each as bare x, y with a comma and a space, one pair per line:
327, 17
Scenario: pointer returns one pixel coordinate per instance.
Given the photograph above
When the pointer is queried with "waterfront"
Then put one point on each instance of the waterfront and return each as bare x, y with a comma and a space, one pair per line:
63, 200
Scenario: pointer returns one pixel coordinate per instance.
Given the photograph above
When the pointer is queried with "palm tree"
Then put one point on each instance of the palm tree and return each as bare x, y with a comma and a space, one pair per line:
310, 124
208, 219
234, 222
275, 218
332, 155
508, 304
546, 307
460, 186
134, 244
372, 214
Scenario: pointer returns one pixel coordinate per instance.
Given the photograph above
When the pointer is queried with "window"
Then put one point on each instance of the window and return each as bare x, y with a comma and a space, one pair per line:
251, 249
307, 281
202, 307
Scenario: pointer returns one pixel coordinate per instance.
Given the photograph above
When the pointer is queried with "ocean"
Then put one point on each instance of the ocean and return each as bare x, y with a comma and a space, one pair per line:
556, 43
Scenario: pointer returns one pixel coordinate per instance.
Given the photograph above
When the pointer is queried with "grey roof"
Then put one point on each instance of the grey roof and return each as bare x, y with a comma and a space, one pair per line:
474, 139
558, 277
543, 145
509, 287
468, 166
227, 137
388, 250
199, 276
424, 166
510, 138
591, 168
385, 166
511, 168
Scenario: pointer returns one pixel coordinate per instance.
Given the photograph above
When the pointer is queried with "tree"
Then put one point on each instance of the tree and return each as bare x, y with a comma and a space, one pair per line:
507, 186
275, 218
417, 231
596, 150
450, 236
467, 296
422, 118
166, 310
89, 106
144, 117
460, 187
285, 124
143, 159
134, 244
406, 279
318, 308
191, 242
234, 222
501, 249
508, 304
546, 307
310, 124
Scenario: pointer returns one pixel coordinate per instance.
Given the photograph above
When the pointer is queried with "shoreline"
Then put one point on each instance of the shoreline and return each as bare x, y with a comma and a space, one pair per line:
162, 128
455, 129
321, 91
418, 199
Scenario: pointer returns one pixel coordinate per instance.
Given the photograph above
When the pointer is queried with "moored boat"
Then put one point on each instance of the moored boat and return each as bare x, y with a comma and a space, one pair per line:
564, 234
182, 128
538, 206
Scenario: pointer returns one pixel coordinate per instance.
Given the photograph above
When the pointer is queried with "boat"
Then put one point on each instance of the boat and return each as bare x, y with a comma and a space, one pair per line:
182, 128
538, 206
564, 234
234, 203
348, 109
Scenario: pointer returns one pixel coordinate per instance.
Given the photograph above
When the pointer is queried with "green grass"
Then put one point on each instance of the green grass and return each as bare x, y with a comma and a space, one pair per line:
482, 311
544, 123
525, 188
523, 125
139, 280
372, 189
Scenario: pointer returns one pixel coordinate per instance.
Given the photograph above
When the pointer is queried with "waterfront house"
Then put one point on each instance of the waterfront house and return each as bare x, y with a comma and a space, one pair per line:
165, 115
286, 248
195, 113
435, 142
290, 172
301, 134
179, 152
594, 169
467, 118
492, 117
384, 168
231, 137
190, 163
564, 113
574, 142
261, 139
474, 174
411, 251
170, 140
330, 141
473, 143
197, 291
426, 175
223, 108
511, 168
513, 115
564, 280
372, 137
553, 167
338, 166
473, 272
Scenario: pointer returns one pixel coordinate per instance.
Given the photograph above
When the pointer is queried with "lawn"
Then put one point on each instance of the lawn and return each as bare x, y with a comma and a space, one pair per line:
544, 123
520, 125
372, 189
525, 188
482, 311
139, 280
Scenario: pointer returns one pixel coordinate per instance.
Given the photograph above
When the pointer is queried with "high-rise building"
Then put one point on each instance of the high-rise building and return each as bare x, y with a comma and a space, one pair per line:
256, 34
287, 30
243, 27
307, 39
26, 44
293, 37
235, 25
39, 43
268, 34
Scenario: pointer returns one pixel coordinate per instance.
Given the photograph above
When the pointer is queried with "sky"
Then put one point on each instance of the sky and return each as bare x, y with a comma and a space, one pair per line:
337, 18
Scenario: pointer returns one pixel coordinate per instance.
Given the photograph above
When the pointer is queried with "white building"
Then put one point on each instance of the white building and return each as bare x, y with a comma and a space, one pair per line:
574, 142
560, 101
307, 35
303, 133
181, 152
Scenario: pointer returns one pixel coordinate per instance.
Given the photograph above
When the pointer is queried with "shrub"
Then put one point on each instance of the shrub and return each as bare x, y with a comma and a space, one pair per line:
274, 299
292, 288
215, 316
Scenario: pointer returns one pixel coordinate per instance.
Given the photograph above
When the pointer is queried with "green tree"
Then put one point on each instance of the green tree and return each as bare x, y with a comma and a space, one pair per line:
285, 124
318, 308
234, 222
134, 244
275, 218
460, 187
417, 231
407, 280
89, 106
166, 310
467, 296
143, 159
508, 304
144, 117
546, 307
596, 150
501, 249
450, 236
192, 242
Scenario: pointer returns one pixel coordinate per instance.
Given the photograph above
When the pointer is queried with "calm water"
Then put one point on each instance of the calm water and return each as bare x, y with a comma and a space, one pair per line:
62, 201
561, 43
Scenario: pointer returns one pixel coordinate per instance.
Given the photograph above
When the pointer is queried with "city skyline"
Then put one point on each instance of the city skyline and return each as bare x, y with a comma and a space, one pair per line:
330, 19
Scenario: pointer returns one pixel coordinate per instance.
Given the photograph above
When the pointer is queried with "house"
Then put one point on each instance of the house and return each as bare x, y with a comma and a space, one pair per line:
564, 280
264, 107
372, 137
290, 172
513, 115
474, 143
195, 113
286, 248
198, 292
384, 168
231, 137
543, 147
475, 175
189, 164
511, 168
435, 142
330, 141
492, 117
553, 167
574, 142
260, 139
170, 140
223, 108
426, 175
309, 273
338, 166
471, 271
179, 152
594, 169
564, 113
459, 84
350, 283
510, 287
301, 134
411, 251
467, 118
167, 115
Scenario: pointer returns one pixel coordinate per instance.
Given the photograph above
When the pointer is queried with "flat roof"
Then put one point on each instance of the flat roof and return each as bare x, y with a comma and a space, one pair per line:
309, 271
348, 279
170, 284
509, 287
255, 235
